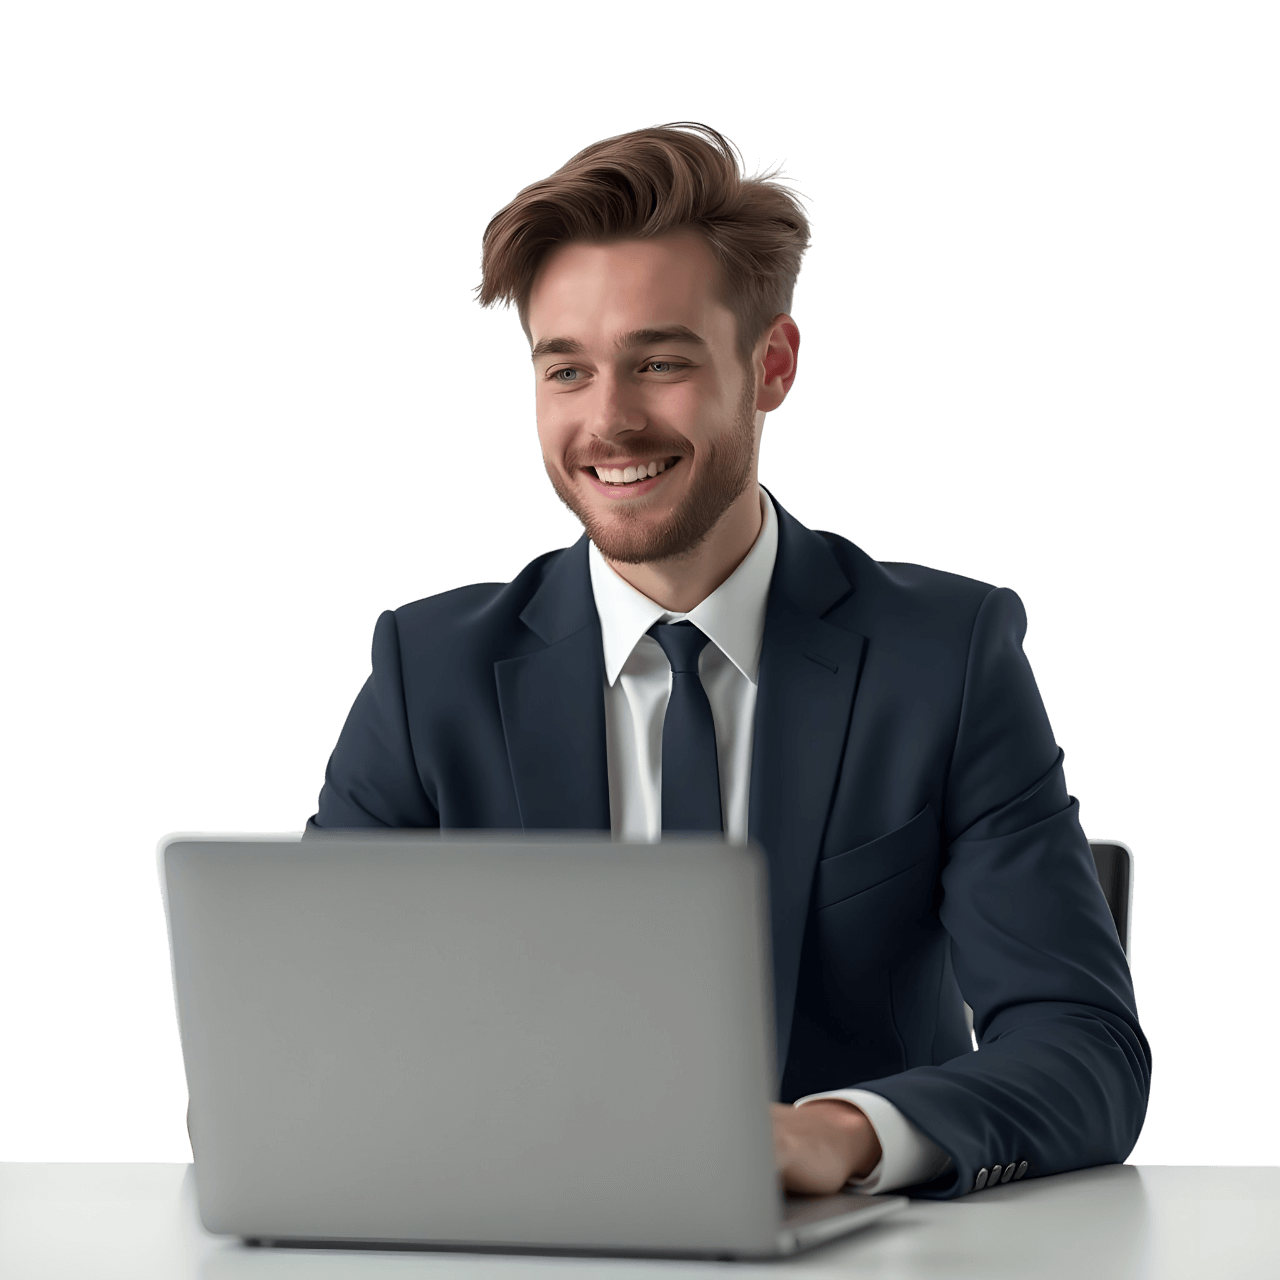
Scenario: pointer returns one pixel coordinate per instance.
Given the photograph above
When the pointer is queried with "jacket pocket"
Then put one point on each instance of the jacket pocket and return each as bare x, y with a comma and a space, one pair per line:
871, 864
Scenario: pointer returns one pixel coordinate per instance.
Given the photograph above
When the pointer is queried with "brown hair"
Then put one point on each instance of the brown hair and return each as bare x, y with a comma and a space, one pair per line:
649, 183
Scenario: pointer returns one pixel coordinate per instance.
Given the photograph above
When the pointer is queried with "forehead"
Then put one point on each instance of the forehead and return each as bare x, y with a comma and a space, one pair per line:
582, 290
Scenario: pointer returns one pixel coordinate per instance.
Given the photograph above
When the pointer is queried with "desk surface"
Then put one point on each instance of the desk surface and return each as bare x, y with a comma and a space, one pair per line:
138, 1221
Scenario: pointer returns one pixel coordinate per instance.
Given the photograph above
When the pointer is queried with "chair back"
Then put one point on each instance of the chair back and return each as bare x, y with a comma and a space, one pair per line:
1114, 862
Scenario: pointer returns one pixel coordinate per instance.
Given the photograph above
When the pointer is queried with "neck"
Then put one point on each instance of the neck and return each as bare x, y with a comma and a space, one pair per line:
684, 581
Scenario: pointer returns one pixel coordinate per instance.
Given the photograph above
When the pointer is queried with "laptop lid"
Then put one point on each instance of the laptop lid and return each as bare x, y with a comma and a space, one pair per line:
528, 1041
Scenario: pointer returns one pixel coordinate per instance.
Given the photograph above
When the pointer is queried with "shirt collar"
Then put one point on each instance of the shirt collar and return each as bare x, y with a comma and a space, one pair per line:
732, 616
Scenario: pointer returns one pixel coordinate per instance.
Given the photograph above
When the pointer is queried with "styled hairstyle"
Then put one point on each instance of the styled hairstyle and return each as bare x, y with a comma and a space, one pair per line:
648, 183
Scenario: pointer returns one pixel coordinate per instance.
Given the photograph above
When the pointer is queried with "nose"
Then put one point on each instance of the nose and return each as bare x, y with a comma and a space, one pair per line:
613, 411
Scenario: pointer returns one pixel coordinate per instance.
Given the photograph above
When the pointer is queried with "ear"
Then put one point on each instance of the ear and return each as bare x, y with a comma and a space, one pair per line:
778, 351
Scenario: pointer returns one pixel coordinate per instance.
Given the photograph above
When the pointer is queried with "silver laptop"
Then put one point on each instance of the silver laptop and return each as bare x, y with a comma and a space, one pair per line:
555, 1044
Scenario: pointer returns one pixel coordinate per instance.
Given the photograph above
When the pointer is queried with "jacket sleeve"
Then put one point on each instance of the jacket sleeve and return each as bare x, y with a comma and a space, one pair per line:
1063, 1070
372, 779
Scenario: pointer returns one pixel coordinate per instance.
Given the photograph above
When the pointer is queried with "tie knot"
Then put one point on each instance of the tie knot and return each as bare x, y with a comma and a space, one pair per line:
682, 642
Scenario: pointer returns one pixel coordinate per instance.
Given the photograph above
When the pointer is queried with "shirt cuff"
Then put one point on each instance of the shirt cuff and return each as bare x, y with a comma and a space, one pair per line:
907, 1156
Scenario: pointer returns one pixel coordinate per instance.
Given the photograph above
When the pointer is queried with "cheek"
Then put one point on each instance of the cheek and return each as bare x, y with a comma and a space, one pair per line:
548, 448
680, 399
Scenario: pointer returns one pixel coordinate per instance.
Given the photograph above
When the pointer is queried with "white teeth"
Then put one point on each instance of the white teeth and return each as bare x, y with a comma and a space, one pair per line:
629, 475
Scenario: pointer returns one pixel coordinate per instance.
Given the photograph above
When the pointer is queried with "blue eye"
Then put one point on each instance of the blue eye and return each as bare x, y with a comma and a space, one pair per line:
555, 377
554, 374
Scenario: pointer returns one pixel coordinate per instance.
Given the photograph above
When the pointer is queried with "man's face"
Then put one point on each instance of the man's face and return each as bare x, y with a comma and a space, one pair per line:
638, 376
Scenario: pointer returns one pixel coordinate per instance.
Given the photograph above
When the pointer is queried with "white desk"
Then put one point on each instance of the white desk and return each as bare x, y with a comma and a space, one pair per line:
138, 1222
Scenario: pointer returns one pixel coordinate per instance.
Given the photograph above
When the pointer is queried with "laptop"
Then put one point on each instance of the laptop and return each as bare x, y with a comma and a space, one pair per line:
556, 1044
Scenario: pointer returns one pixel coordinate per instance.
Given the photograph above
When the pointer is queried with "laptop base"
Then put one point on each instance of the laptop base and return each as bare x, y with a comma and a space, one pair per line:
808, 1221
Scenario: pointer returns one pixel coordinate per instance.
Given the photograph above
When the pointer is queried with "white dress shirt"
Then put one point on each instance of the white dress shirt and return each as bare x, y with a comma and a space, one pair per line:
637, 687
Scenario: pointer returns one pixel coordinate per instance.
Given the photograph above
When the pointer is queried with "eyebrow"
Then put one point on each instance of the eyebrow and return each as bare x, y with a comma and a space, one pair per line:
636, 338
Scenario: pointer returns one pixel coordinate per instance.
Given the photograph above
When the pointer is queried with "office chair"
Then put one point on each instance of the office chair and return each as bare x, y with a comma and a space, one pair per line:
1113, 862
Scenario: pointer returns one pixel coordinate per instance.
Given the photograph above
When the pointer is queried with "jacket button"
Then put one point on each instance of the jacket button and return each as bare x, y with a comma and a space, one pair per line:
1008, 1173
996, 1170
1022, 1169
981, 1180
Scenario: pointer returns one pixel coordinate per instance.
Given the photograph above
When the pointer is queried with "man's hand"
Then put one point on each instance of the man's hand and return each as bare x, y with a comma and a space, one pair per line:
823, 1144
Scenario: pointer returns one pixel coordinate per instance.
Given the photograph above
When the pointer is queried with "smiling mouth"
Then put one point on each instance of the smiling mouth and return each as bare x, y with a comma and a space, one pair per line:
623, 476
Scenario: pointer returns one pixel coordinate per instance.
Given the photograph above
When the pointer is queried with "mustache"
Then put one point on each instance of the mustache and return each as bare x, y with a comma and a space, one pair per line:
601, 454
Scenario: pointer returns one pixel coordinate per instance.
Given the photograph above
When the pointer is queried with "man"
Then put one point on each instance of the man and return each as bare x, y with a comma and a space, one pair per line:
701, 661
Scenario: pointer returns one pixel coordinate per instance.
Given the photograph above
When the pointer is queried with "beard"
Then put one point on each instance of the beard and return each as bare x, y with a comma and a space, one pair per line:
725, 470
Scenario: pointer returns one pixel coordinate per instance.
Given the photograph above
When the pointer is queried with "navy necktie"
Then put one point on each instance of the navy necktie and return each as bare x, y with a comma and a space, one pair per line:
690, 772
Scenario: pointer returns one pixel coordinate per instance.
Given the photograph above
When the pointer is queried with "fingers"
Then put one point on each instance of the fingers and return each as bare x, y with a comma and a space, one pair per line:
819, 1148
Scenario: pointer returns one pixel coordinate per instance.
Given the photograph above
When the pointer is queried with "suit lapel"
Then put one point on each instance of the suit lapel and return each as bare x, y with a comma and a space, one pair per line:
809, 671
552, 703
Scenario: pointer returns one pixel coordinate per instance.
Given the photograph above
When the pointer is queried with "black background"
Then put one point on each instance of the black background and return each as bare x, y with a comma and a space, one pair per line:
295, 416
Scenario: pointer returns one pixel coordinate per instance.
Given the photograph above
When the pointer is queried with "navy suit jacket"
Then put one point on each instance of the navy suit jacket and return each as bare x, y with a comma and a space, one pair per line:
909, 797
